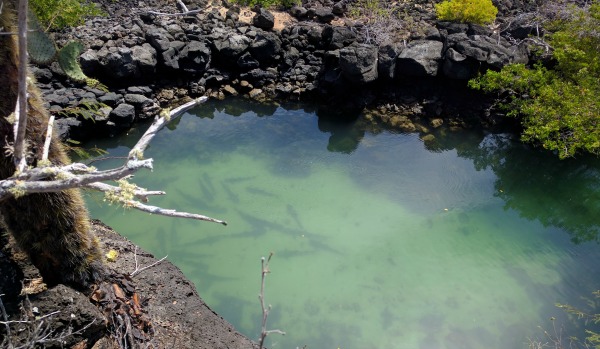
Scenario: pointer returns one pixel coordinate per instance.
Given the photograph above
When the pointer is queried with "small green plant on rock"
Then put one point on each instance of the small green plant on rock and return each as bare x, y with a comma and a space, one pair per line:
467, 11
58, 14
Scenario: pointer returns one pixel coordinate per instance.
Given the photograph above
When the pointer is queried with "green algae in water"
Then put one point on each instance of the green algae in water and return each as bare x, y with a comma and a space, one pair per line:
378, 242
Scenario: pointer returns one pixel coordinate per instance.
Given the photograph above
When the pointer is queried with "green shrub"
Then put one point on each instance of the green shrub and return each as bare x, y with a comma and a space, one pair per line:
559, 108
58, 14
467, 11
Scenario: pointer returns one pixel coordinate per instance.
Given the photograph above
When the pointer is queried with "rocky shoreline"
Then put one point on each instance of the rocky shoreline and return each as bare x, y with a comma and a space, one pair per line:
179, 317
313, 53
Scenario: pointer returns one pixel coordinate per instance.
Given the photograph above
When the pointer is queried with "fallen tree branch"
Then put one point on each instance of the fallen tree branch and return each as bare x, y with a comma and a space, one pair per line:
159, 123
48, 138
19, 187
141, 194
182, 7
265, 310
77, 175
189, 13
170, 212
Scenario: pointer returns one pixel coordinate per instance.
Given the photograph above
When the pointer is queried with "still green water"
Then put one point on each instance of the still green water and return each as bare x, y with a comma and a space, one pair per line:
379, 240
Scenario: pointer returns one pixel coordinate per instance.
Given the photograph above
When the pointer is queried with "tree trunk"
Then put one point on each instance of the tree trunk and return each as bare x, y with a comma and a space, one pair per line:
52, 228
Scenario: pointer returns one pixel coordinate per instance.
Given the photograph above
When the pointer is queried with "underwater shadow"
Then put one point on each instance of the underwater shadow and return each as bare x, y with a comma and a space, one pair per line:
539, 186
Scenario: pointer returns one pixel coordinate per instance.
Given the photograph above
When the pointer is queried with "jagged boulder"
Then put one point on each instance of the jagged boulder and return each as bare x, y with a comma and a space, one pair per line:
420, 58
324, 14
494, 52
159, 38
259, 77
144, 57
231, 47
247, 62
386, 65
335, 37
123, 114
117, 63
195, 57
266, 47
170, 57
263, 19
114, 62
459, 66
358, 63
298, 11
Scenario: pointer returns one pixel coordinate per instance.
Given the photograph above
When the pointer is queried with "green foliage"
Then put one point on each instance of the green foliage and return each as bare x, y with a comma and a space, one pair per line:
68, 59
42, 50
590, 316
369, 9
85, 110
558, 108
58, 14
269, 3
467, 11
73, 147
40, 46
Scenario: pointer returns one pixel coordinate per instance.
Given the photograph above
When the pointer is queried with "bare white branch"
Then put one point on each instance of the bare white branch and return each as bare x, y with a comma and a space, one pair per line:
28, 321
169, 212
48, 138
265, 310
141, 194
8, 186
189, 13
138, 269
182, 6
159, 123
77, 175
4, 317
184, 11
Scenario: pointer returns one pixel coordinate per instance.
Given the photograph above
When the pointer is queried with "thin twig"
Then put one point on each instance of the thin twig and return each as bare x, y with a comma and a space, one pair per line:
182, 7
192, 12
138, 269
48, 138
29, 321
5, 317
106, 158
265, 310
170, 212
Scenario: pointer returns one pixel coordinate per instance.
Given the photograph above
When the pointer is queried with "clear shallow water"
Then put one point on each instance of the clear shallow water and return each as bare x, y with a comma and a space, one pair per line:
380, 240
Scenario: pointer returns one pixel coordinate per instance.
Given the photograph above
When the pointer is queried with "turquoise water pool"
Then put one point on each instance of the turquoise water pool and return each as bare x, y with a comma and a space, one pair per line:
379, 240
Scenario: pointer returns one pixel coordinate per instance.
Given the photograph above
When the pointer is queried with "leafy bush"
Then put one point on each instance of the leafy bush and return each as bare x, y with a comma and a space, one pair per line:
269, 3
467, 11
58, 14
559, 108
